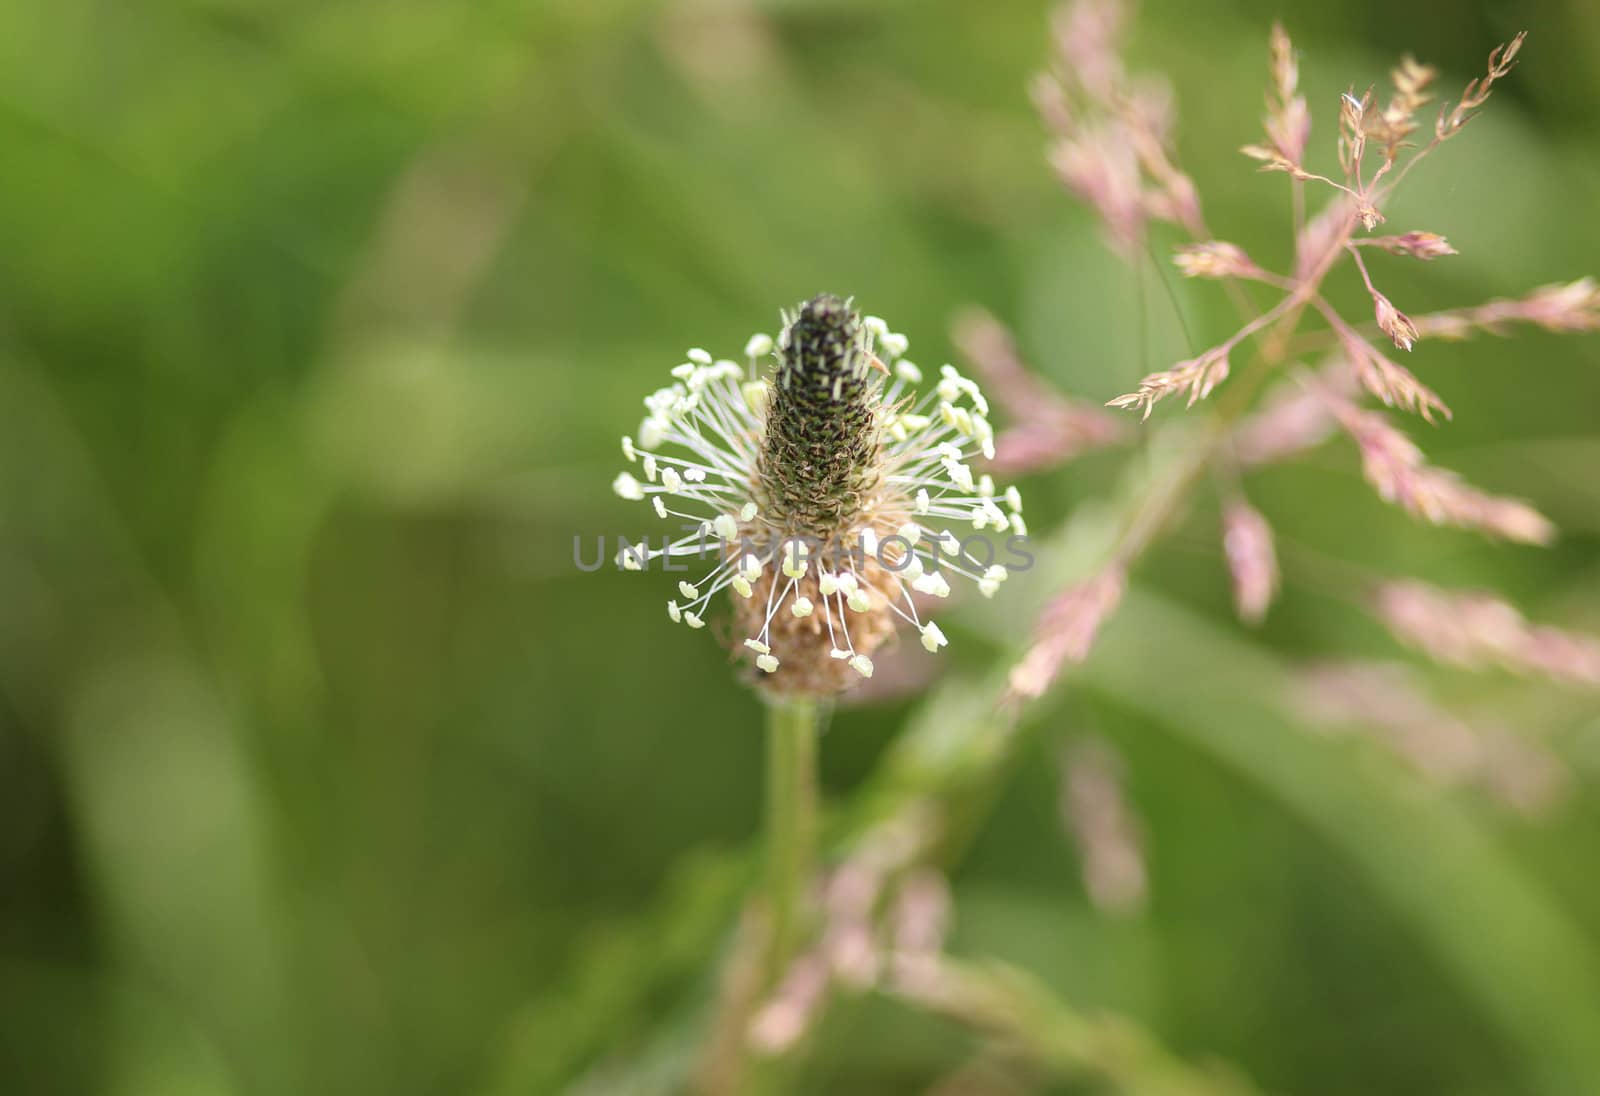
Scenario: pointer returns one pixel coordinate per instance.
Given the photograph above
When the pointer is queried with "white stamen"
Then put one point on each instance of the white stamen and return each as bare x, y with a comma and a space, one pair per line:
627, 487
687, 590
932, 637
767, 663
759, 346
758, 647
985, 435
801, 607
755, 396
960, 474
862, 665
652, 433
794, 559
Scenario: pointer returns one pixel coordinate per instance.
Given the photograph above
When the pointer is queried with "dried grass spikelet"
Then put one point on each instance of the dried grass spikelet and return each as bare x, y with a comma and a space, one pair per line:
1395, 385
1111, 134
1395, 123
1294, 419
1215, 259
1391, 706
1247, 541
1395, 467
1288, 119
1567, 308
1426, 246
1104, 826
1394, 323
1066, 631
1501, 61
1047, 428
1476, 630
1196, 376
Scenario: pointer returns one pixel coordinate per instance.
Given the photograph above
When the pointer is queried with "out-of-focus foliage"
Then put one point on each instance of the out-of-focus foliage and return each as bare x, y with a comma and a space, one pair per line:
324, 770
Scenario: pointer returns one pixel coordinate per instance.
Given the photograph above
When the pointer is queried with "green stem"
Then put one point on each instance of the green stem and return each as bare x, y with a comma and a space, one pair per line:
793, 724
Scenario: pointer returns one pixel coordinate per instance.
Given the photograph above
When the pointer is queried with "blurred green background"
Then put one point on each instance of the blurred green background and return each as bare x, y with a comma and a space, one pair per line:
323, 770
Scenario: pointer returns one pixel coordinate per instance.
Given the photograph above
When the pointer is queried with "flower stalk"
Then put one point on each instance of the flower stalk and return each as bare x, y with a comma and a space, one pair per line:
793, 725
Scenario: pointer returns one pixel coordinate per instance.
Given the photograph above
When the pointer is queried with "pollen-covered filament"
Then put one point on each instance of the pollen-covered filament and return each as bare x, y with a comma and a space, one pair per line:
820, 577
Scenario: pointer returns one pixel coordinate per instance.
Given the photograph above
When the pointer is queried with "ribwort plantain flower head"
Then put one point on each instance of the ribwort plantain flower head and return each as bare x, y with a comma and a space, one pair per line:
820, 495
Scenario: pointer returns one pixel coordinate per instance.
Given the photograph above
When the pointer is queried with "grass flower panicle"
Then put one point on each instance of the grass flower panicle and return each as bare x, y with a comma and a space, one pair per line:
1112, 148
826, 496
